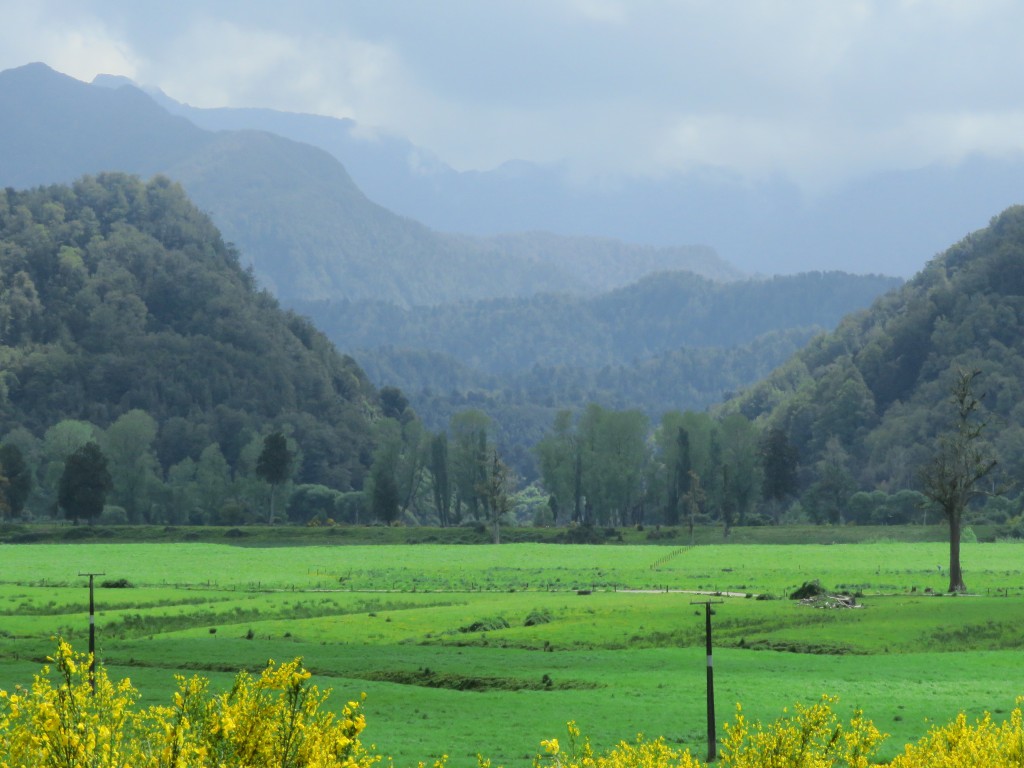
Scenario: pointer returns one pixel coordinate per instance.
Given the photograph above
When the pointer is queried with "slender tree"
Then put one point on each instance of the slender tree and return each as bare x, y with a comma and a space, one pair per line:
951, 479
19, 478
779, 461
438, 468
274, 465
496, 491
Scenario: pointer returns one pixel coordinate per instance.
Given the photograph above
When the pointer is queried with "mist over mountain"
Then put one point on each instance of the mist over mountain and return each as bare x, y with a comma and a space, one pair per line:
887, 222
292, 209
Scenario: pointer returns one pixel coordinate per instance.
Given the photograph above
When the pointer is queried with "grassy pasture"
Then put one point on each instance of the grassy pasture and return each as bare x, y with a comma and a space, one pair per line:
422, 630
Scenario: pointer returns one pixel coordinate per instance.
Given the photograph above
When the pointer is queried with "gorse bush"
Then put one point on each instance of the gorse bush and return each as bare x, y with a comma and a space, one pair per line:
812, 737
279, 718
274, 718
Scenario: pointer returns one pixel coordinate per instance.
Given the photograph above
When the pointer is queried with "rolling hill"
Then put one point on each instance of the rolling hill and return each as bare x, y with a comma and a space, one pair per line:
880, 383
119, 297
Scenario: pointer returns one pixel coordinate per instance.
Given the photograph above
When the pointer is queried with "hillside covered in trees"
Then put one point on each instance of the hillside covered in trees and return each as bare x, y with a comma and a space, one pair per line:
671, 341
864, 425
861, 406
125, 319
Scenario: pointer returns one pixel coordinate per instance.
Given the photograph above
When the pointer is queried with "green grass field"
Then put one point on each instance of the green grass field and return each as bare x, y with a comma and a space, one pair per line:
466, 649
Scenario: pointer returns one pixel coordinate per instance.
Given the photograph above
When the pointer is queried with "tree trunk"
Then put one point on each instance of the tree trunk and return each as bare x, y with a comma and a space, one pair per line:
956, 577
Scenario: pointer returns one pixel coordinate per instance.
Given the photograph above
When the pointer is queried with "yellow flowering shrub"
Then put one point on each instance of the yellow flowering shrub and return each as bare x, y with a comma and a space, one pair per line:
812, 737
641, 753
276, 718
65, 725
960, 744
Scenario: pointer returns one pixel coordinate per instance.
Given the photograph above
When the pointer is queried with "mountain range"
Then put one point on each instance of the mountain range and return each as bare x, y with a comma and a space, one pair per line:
292, 209
888, 222
558, 319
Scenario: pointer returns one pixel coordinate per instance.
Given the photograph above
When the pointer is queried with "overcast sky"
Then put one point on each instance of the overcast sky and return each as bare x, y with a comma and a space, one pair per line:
815, 90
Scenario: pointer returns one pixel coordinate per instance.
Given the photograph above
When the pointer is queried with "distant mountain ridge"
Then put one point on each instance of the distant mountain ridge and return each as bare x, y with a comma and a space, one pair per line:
291, 208
656, 315
888, 222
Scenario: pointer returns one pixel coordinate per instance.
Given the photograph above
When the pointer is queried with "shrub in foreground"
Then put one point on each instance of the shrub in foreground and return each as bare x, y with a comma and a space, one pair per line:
274, 718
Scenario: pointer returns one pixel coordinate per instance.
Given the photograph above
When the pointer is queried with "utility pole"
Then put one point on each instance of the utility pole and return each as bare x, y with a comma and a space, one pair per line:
92, 631
712, 737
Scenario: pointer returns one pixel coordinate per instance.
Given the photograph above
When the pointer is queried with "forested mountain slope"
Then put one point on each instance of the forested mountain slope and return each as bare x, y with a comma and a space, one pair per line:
880, 383
673, 341
659, 314
292, 209
118, 296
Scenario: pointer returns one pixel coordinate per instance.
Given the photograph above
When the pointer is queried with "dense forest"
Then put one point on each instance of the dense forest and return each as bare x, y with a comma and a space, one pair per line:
850, 430
874, 394
126, 320
143, 369
671, 341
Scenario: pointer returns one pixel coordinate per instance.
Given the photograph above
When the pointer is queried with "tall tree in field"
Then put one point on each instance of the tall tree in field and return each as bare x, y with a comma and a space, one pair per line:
497, 494
19, 478
128, 445
469, 458
740, 455
694, 500
274, 465
779, 461
213, 482
614, 458
680, 477
400, 452
85, 483
384, 495
558, 456
437, 466
950, 480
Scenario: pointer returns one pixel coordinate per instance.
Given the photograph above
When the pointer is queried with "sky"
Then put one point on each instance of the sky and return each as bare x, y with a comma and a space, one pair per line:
814, 91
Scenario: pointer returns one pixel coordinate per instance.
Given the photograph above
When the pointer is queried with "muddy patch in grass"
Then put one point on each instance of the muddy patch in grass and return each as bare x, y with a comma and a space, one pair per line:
427, 678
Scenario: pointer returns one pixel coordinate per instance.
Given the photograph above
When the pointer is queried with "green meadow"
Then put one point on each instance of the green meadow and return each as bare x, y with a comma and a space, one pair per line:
466, 649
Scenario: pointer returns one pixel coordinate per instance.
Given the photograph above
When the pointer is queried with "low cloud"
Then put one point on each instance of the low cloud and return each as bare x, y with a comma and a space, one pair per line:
814, 91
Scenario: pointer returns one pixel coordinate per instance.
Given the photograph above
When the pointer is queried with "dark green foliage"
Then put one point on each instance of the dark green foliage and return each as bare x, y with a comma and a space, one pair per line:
18, 476
536, 617
437, 466
673, 341
274, 465
384, 497
880, 382
779, 461
85, 483
119, 296
489, 624
117, 584
275, 462
808, 589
